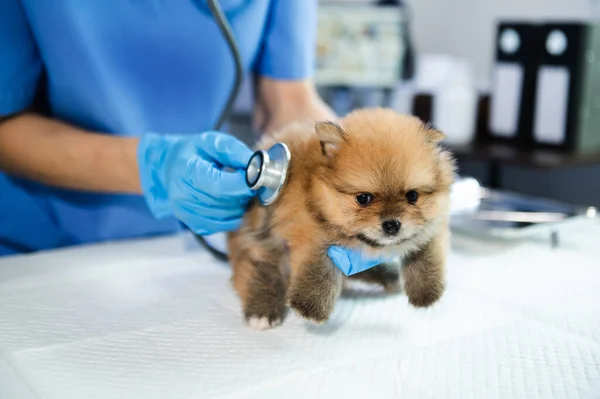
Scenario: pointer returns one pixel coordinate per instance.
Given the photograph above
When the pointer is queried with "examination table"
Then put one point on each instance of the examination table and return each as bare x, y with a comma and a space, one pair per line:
158, 319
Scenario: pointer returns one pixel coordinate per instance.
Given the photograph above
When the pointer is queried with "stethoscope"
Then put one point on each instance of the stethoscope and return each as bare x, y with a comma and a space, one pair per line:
266, 171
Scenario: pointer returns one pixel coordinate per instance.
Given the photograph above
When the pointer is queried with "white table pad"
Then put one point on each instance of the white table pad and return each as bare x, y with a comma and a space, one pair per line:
148, 319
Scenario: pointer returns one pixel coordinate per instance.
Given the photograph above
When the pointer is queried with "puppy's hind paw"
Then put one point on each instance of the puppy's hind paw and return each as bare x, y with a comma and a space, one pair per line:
385, 275
391, 283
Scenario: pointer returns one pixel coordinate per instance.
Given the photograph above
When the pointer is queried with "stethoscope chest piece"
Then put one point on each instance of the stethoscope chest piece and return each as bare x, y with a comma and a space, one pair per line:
267, 171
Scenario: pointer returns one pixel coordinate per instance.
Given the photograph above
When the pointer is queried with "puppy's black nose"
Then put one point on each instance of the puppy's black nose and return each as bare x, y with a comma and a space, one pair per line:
391, 227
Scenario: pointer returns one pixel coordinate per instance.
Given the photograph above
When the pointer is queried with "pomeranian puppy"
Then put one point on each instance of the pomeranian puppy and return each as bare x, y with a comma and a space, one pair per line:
374, 180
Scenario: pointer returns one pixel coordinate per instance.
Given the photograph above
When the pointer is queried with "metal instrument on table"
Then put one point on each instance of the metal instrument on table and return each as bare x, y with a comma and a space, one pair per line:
502, 214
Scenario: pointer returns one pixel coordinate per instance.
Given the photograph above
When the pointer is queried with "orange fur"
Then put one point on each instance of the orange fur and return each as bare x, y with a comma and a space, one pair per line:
371, 151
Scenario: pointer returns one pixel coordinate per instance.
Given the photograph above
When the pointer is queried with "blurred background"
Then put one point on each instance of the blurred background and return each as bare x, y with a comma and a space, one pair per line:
514, 84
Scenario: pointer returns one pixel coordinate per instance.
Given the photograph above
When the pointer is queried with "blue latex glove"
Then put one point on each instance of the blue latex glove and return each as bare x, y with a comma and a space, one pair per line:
351, 261
184, 176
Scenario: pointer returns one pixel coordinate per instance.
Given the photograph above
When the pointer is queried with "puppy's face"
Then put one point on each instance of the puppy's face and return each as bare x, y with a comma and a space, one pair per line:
385, 180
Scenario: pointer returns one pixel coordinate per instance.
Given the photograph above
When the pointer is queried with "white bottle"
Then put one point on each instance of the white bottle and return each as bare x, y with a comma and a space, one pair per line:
455, 105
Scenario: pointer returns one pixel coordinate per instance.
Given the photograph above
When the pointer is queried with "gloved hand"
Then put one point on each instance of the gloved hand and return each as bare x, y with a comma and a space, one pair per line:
351, 261
184, 176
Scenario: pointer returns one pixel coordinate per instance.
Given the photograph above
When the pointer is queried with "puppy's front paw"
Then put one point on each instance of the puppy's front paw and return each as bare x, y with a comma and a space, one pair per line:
315, 289
314, 309
424, 297
424, 279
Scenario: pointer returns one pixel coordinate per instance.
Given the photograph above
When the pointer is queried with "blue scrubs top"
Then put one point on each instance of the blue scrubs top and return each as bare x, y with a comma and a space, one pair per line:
124, 67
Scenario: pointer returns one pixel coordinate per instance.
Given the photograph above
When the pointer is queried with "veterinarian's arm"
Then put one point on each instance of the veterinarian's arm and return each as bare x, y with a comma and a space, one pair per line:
178, 175
285, 67
57, 154
284, 102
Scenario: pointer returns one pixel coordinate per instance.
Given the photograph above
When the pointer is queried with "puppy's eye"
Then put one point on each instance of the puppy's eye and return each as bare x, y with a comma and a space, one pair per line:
364, 199
412, 196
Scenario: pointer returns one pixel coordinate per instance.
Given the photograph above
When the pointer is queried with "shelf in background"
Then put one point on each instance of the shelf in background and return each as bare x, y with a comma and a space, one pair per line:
487, 149
536, 158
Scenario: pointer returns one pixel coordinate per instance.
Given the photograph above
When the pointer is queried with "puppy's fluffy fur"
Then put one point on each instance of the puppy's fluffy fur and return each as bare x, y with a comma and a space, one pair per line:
375, 180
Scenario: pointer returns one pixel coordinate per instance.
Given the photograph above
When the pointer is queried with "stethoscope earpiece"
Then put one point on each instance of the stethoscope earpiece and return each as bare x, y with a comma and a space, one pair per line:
267, 171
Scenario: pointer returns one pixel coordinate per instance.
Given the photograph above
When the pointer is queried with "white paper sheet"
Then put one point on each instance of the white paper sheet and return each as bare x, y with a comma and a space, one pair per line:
149, 320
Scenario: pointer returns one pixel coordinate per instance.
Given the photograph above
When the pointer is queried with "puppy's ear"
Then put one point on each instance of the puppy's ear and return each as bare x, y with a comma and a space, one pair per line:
331, 136
432, 134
